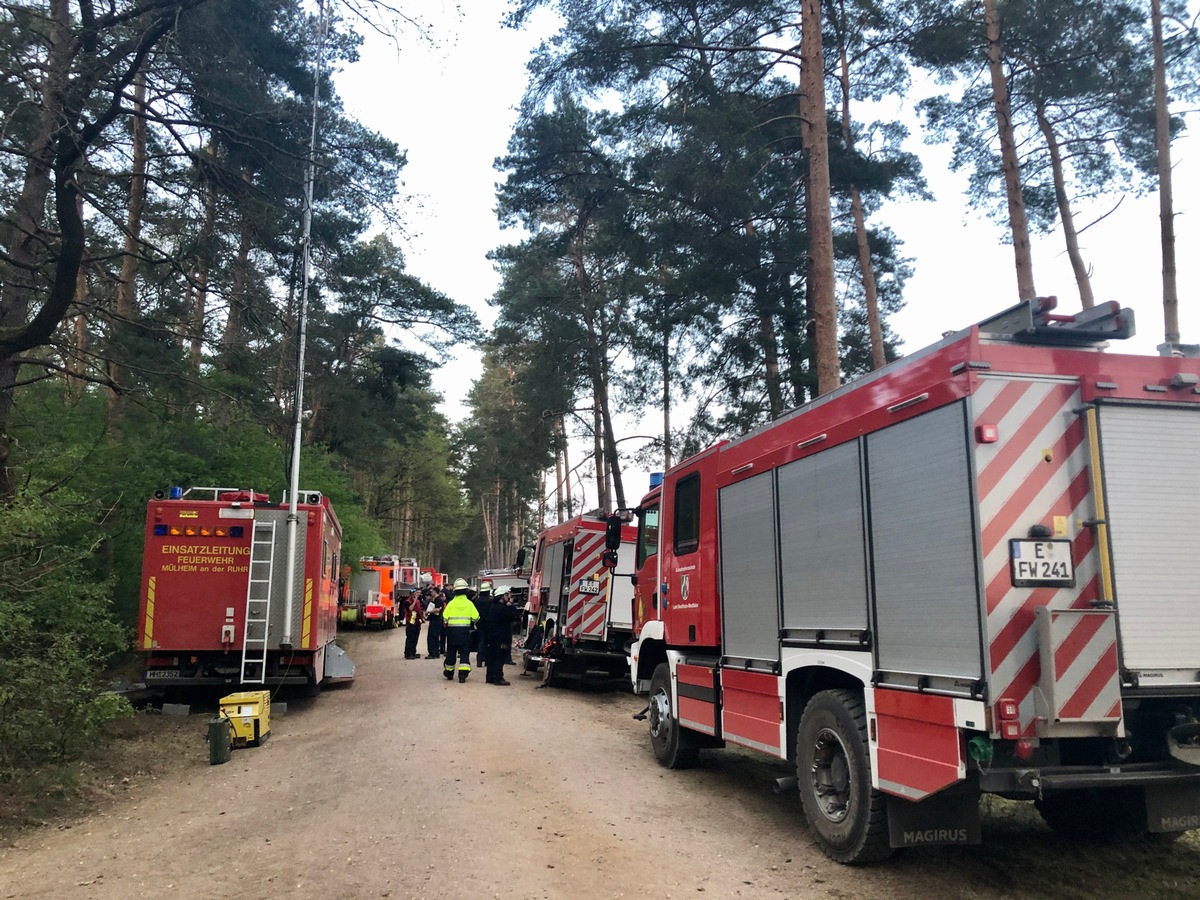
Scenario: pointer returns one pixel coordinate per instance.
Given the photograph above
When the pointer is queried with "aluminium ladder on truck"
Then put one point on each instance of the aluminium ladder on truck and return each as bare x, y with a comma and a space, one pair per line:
258, 603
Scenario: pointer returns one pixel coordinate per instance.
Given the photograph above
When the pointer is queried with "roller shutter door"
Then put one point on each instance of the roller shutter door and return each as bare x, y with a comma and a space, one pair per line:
923, 542
749, 582
1151, 463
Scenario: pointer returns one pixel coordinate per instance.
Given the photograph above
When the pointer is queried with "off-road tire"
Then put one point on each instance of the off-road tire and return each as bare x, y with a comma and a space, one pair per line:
847, 816
667, 738
1095, 814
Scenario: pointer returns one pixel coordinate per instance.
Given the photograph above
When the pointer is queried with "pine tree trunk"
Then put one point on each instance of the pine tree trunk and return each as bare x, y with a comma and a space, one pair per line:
607, 463
598, 454
514, 526
541, 493
487, 526
1018, 223
822, 302
126, 293
767, 340
1082, 278
614, 480
560, 497
1166, 202
666, 398
562, 434
495, 552
285, 338
866, 268
76, 362
766, 335
21, 240
199, 309
233, 338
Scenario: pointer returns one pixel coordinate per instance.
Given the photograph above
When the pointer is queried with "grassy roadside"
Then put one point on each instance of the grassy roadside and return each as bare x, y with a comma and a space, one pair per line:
145, 748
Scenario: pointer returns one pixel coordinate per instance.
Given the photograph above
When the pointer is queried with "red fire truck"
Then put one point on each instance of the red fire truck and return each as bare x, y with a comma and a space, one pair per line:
214, 609
584, 607
373, 592
431, 576
408, 577
973, 571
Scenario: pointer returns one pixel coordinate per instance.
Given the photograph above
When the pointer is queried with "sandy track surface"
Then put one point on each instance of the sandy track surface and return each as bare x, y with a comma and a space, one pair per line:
406, 785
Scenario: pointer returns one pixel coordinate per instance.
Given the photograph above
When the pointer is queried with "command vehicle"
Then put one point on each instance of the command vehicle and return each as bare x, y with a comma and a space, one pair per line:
972, 571
579, 600
213, 608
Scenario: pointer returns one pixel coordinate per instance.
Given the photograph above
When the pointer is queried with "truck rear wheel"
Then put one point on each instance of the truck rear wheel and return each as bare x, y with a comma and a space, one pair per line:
1095, 814
670, 745
847, 816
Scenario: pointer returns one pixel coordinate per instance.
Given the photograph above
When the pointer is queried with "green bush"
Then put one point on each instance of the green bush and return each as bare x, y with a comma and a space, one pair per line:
56, 634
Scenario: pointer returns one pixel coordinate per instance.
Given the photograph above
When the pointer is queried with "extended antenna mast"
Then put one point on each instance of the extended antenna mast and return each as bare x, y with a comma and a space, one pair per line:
293, 519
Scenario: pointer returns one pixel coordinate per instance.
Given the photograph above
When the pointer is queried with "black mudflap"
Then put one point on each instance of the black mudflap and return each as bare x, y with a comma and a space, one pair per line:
1174, 807
950, 817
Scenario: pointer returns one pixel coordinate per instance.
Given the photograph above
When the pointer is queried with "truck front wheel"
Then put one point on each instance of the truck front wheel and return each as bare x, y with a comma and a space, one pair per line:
670, 746
847, 816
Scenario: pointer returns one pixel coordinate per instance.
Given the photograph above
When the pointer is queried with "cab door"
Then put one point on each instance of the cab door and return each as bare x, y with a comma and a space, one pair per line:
688, 599
645, 566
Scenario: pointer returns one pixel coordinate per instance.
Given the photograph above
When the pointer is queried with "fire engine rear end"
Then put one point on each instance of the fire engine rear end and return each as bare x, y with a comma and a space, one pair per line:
213, 604
970, 572
582, 599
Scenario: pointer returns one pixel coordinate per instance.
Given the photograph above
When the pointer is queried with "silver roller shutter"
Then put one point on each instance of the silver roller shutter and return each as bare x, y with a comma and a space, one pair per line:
279, 579
1151, 463
821, 541
749, 586
923, 544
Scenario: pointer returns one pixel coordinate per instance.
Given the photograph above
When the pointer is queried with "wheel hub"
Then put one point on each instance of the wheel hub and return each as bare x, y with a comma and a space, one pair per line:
830, 775
660, 715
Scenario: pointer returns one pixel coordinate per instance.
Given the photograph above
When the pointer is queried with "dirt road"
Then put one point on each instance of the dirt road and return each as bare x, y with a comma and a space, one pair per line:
405, 785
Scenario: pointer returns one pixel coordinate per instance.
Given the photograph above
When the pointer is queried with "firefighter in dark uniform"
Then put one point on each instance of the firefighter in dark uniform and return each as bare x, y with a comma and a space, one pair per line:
434, 605
459, 617
483, 603
498, 630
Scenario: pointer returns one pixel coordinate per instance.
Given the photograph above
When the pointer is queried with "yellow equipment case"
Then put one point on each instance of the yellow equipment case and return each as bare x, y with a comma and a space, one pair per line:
249, 714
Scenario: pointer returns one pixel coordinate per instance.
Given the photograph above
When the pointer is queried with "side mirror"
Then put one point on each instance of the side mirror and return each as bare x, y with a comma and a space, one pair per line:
633, 580
521, 557
612, 532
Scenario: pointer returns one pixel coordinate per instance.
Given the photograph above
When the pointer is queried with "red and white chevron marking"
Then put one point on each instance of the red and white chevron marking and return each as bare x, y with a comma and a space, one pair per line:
1084, 661
586, 613
1019, 487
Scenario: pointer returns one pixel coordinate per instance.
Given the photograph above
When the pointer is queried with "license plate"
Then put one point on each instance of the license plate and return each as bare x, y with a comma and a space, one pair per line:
161, 673
588, 586
1041, 563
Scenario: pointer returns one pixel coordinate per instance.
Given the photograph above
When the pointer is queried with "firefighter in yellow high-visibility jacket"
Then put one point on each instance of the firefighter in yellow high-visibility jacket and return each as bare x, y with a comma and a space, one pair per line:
460, 616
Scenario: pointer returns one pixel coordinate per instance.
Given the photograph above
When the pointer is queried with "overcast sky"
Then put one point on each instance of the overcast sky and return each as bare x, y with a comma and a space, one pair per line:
450, 103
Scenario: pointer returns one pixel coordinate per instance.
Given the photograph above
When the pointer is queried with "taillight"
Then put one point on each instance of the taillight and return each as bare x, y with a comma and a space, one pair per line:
1008, 713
